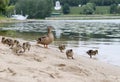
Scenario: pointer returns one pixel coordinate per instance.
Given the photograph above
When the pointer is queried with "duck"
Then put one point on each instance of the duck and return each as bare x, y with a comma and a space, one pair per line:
3, 40
46, 39
61, 47
69, 53
17, 48
92, 53
26, 46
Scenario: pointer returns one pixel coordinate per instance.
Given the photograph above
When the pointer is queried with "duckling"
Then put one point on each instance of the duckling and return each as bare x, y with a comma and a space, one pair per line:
26, 46
69, 53
47, 39
61, 47
16, 42
17, 48
92, 53
9, 42
3, 40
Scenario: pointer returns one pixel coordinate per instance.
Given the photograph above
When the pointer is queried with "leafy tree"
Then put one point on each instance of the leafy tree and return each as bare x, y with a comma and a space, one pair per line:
83, 2
3, 5
66, 9
13, 2
91, 5
104, 2
89, 8
35, 8
113, 9
118, 9
10, 10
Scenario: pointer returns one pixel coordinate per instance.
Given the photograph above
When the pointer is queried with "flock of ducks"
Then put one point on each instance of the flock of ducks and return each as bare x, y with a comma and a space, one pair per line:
69, 53
45, 40
15, 45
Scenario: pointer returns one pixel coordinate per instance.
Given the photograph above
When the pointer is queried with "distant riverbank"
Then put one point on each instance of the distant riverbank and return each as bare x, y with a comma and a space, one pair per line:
82, 17
8, 20
64, 17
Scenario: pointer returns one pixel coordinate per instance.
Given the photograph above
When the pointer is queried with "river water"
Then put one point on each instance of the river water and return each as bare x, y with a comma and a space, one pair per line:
80, 35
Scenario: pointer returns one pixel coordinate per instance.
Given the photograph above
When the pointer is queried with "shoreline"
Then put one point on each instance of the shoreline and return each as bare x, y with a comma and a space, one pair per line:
65, 17
9, 20
50, 65
82, 17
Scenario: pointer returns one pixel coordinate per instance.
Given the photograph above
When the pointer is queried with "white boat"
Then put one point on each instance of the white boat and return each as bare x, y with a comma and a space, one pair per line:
19, 17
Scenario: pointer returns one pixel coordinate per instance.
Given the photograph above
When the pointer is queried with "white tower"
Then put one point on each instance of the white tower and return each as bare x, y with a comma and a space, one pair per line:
57, 5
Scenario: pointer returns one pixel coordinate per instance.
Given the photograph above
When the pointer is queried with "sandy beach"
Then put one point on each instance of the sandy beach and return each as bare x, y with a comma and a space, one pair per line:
50, 65
10, 20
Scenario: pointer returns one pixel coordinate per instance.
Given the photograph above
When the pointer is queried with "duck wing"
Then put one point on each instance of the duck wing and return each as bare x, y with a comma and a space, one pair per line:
42, 39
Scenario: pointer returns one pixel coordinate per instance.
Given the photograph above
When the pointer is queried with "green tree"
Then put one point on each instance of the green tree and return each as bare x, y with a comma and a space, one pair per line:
118, 9
35, 8
89, 8
13, 2
3, 6
10, 10
66, 9
104, 2
113, 9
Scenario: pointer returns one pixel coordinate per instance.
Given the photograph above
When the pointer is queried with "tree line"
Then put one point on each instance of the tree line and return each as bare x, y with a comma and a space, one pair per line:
83, 2
89, 6
43, 8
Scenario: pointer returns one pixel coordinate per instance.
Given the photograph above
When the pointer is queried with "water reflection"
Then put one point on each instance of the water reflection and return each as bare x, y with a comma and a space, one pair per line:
80, 35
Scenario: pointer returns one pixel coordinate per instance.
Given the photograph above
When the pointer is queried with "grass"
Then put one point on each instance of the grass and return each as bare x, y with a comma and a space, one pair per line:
75, 10
99, 10
102, 10
2, 17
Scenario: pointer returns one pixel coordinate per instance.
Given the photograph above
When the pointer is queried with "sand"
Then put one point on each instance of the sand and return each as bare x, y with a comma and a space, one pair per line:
50, 65
8, 20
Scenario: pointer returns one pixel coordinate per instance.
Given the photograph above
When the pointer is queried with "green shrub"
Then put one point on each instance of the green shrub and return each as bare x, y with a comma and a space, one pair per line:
66, 9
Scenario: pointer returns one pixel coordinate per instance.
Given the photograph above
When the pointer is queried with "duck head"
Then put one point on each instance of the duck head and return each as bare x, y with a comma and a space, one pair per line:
50, 28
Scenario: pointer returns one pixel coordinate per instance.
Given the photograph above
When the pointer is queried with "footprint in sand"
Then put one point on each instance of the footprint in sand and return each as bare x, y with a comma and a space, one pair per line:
11, 71
8, 70
61, 65
52, 75
75, 70
37, 59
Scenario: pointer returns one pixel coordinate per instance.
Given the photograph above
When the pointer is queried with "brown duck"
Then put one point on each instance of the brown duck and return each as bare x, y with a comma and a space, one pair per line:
61, 47
46, 39
69, 53
92, 53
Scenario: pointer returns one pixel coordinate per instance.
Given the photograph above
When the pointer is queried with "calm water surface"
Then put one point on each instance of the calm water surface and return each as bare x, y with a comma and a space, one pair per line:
80, 35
